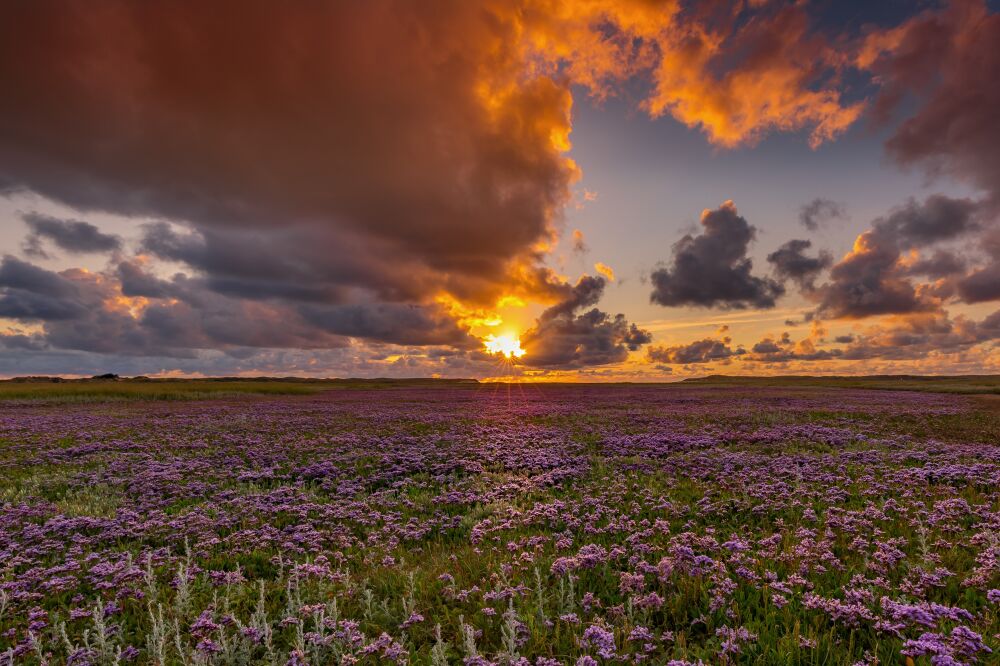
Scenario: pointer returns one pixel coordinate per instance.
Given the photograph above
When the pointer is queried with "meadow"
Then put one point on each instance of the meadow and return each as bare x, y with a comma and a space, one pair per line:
717, 523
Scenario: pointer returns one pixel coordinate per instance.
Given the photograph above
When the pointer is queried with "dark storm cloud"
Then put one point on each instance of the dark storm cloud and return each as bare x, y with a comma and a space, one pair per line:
135, 281
791, 263
257, 264
700, 351
339, 148
820, 211
21, 342
712, 269
73, 236
22, 275
562, 339
81, 310
389, 322
871, 280
31, 293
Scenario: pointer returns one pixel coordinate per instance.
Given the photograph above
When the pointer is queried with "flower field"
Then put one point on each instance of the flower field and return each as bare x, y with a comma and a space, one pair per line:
503, 525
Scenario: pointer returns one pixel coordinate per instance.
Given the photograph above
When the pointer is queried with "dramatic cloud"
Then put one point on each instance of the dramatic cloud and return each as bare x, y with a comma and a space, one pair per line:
948, 59
791, 263
34, 294
340, 124
385, 173
712, 269
331, 139
563, 339
820, 211
398, 323
780, 82
73, 236
129, 311
872, 279
369, 160
700, 351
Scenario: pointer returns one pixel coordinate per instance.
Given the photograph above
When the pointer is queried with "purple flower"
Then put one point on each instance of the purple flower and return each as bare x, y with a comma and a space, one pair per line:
601, 640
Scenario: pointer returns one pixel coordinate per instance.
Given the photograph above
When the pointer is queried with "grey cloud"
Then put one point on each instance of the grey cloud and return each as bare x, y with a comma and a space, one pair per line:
73, 236
31, 293
563, 339
948, 62
700, 351
910, 337
784, 350
942, 263
137, 282
587, 291
20, 341
938, 218
80, 310
870, 280
766, 346
394, 323
791, 263
820, 211
981, 285
712, 269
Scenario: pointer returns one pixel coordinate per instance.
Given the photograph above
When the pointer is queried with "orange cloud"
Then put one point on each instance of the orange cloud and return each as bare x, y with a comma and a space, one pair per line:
769, 89
605, 270
734, 74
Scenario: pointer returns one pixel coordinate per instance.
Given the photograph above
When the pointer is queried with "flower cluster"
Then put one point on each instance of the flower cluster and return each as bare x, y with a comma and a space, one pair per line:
571, 525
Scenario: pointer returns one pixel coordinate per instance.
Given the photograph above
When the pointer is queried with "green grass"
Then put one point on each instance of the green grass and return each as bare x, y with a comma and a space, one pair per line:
99, 390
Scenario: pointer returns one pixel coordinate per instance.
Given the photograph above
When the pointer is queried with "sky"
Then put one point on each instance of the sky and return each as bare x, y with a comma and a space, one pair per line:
594, 190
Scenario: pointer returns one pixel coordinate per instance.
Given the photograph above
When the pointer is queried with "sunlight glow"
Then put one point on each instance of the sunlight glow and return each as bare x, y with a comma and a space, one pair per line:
507, 344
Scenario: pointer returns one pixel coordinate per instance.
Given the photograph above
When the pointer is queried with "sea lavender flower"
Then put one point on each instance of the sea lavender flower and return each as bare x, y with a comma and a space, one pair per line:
601, 640
734, 639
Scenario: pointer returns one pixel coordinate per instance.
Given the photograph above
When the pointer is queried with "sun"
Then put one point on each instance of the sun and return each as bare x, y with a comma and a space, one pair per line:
507, 344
